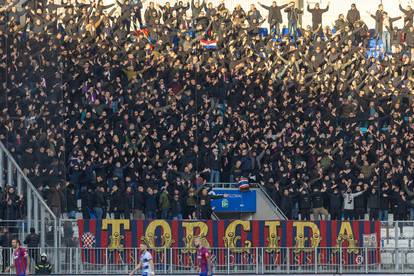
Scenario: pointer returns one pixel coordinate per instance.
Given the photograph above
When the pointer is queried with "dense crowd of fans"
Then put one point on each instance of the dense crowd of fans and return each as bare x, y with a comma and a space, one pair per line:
133, 110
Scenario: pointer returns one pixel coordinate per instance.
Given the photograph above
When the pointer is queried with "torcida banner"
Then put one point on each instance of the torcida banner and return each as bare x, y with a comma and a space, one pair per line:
233, 234
237, 235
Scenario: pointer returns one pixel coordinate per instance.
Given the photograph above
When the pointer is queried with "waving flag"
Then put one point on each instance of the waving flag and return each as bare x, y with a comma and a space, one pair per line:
244, 185
209, 44
146, 34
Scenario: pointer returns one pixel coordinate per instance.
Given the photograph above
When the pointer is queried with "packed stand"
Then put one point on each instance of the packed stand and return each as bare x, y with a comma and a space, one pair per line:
133, 110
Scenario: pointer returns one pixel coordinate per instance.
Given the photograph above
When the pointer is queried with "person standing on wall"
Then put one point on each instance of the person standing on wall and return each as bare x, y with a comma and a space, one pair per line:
275, 16
379, 21
317, 16
353, 15
408, 16
294, 15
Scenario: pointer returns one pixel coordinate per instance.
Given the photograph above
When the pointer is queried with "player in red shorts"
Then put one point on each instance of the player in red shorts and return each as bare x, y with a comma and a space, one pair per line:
20, 259
203, 259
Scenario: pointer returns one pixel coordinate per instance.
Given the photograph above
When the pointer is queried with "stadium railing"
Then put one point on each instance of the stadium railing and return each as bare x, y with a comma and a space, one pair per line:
37, 213
395, 255
181, 261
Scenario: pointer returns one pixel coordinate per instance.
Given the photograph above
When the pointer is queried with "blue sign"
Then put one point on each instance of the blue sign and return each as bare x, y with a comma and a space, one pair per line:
234, 201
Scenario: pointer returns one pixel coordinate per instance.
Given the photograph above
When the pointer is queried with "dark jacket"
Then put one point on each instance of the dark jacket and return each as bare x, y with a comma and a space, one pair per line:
390, 27
335, 201
115, 201
287, 206
408, 16
305, 201
196, 10
55, 197
6, 239
127, 202
399, 203
385, 200
409, 39
11, 203
378, 22
360, 202
100, 201
176, 208
205, 212
32, 240
373, 201
43, 268
139, 201
293, 14
317, 16
317, 200
353, 16
71, 204
150, 202
275, 14
213, 163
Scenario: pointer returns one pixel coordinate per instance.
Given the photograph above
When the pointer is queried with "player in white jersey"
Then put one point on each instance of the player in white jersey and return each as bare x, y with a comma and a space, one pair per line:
145, 262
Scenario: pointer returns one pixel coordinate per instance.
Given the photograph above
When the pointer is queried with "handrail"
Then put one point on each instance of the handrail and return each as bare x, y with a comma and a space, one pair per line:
214, 216
228, 185
272, 202
34, 200
28, 182
227, 260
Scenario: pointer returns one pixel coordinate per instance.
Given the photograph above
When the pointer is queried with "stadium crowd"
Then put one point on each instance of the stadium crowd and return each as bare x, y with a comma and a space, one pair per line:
133, 110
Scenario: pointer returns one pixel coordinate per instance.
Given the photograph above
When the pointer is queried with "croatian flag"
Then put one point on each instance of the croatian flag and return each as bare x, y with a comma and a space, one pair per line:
244, 184
209, 44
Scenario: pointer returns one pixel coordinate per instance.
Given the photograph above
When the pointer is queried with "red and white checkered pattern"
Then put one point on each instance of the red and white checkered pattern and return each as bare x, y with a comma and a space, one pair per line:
88, 240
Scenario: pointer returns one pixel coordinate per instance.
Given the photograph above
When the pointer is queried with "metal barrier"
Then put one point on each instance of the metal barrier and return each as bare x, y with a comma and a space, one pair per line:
228, 185
38, 214
104, 261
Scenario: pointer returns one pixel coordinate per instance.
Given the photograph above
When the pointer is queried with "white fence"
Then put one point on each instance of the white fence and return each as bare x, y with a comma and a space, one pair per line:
176, 261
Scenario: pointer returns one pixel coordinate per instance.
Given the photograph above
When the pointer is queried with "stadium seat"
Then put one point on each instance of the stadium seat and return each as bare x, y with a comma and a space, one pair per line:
390, 243
408, 232
263, 31
387, 258
402, 243
391, 232
410, 258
